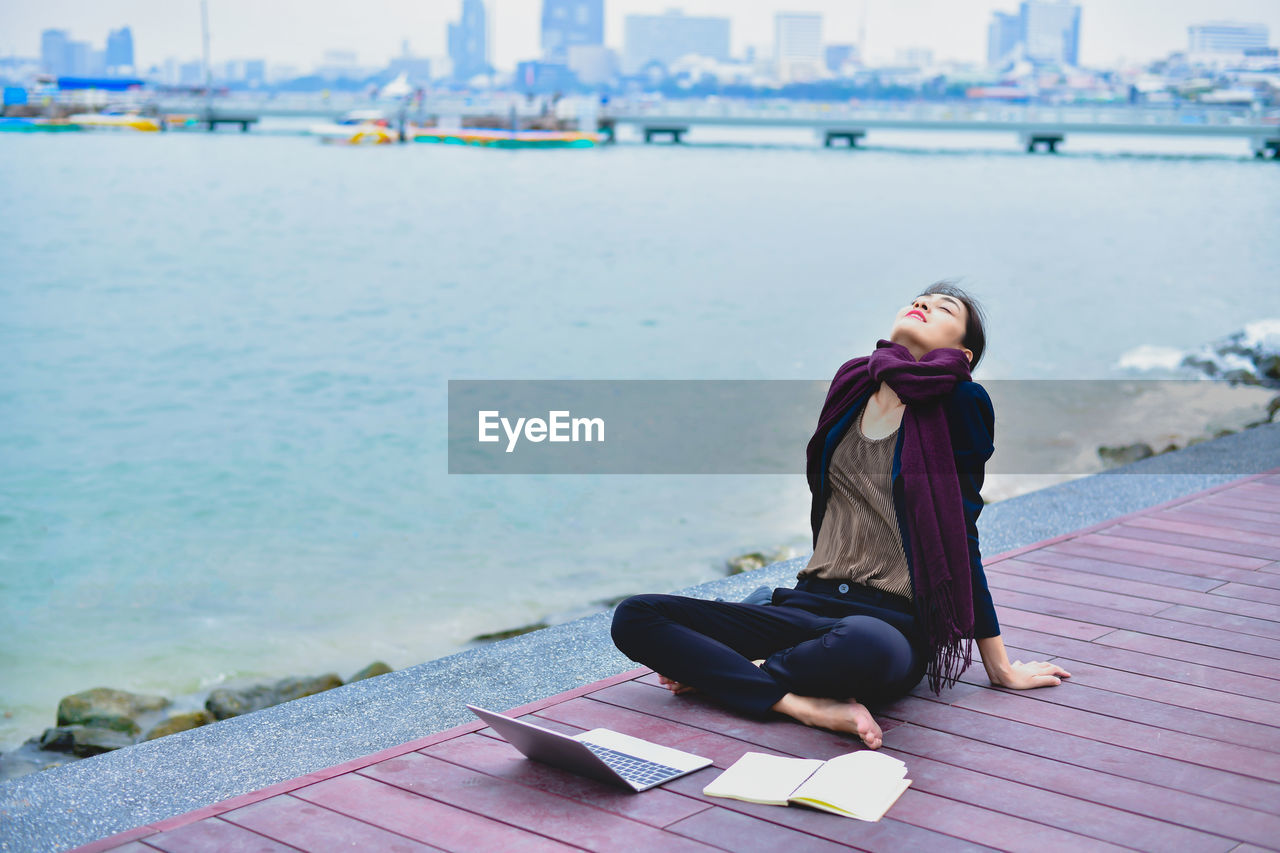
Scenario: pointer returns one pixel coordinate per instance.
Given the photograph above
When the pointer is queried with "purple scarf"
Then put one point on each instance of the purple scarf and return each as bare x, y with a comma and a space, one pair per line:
941, 574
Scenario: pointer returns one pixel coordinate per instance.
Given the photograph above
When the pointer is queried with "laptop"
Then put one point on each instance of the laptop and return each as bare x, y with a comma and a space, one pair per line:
601, 754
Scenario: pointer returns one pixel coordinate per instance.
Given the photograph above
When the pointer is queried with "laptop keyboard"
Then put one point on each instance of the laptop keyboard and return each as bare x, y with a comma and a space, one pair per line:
633, 769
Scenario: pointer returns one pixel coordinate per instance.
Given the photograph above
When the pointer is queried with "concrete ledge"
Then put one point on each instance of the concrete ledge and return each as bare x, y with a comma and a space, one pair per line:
97, 797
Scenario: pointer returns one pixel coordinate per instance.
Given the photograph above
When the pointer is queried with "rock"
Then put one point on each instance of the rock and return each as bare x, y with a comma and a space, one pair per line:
103, 707
179, 723
295, 688
758, 560
225, 703
371, 671
1251, 355
83, 741
1273, 407
1125, 453
747, 562
509, 633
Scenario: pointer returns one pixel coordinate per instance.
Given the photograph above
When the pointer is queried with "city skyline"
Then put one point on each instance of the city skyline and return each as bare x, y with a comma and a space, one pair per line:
289, 32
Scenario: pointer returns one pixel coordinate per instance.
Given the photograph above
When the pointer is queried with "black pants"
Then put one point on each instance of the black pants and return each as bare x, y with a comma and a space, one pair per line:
816, 640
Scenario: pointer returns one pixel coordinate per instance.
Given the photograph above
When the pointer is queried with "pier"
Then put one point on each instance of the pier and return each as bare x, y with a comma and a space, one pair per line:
1154, 584
1036, 127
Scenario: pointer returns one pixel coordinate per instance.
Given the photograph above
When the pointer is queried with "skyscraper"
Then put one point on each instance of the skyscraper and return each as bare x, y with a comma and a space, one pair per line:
666, 38
1004, 34
1225, 37
797, 46
119, 58
1051, 31
53, 51
570, 22
468, 42
79, 60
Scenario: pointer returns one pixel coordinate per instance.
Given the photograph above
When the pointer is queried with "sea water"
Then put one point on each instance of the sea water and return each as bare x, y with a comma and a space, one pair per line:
226, 357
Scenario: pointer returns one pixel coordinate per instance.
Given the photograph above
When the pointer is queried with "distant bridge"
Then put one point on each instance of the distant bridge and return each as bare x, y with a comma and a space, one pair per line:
1036, 126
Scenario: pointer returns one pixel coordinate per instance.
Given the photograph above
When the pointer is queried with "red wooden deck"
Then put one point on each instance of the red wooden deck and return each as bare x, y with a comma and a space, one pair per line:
1166, 736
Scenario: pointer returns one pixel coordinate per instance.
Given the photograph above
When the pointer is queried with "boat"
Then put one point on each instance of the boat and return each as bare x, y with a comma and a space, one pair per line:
358, 127
358, 134
15, 124
499, 138
112, 121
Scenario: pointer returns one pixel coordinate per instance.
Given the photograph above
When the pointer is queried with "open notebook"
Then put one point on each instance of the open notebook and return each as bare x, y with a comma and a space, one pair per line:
862, 784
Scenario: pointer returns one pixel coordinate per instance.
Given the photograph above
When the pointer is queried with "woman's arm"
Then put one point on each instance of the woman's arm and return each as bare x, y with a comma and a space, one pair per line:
1017, 675
975, 429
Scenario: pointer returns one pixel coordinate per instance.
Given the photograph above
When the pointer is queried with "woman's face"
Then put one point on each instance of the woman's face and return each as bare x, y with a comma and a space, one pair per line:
930, 322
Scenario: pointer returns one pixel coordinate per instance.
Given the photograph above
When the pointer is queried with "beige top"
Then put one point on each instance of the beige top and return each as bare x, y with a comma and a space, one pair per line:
859, 539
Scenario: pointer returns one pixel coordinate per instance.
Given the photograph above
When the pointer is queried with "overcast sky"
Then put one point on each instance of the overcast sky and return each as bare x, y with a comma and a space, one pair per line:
298, 32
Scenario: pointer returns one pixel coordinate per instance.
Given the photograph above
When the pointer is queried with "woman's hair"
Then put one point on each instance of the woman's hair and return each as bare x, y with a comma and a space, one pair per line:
975, 335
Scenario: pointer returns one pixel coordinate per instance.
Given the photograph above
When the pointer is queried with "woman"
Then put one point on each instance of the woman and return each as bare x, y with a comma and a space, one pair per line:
895, 588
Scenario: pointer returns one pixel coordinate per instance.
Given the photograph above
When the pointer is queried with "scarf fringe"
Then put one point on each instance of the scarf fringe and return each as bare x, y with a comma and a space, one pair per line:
952, 653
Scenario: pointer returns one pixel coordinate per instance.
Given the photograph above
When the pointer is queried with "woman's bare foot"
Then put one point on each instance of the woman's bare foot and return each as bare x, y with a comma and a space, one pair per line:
676, 687
838, 715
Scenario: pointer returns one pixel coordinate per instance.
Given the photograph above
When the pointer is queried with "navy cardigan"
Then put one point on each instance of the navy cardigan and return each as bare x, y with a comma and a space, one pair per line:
971, 420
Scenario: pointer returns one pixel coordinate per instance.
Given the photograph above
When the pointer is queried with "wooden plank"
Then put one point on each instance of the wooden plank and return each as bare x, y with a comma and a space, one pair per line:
1225, 520
1027, 583
886, 835
1226, 681
1074, 749
1009, 613
1215, 550
1267, 666
1177, 808
1248, 592
1107, 545
1137, 589
1181, 746
214, 835
1222, 648
1260, 491
1226, 621
657, 807
1112, 563
744, 834
1144, 686
1101, 824
997, 829
422, 818
1091, 688
301, 824
1244, 502
1214, 509
1212, 534
502, 800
